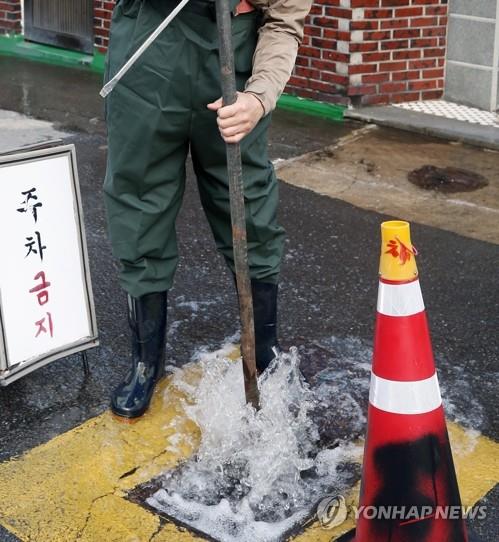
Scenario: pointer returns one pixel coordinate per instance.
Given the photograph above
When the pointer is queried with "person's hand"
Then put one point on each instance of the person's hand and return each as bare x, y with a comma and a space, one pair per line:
237, 120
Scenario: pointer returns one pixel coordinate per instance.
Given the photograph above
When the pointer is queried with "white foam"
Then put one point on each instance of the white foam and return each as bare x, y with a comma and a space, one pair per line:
256, 474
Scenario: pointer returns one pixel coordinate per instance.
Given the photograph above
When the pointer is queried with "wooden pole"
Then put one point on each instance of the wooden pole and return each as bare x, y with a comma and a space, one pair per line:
237, 208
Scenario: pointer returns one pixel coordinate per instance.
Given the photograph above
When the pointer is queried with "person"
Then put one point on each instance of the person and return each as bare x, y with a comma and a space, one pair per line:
167, 105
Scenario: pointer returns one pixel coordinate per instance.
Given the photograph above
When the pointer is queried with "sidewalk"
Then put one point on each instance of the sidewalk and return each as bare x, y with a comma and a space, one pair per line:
420, 117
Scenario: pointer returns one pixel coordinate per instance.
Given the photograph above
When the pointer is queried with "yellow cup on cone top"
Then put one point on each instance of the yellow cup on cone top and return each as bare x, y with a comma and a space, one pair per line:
398, 256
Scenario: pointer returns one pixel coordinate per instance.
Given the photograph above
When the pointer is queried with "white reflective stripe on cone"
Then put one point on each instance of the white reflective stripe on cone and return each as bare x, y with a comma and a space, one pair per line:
400, 299
417, 397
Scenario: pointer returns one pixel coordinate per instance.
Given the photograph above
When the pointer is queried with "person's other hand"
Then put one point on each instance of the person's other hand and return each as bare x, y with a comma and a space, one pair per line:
237, 120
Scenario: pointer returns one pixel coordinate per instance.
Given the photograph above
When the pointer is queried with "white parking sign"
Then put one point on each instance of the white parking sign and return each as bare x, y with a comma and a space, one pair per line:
46, 304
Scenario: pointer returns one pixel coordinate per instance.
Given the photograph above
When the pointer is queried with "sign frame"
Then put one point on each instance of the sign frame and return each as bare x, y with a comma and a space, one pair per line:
9, 374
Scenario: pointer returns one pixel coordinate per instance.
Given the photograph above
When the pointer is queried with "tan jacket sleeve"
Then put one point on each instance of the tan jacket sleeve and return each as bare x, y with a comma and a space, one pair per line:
278, 41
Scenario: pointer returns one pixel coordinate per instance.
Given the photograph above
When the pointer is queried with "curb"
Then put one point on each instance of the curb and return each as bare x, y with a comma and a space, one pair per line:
443, 128
311, 107
16, 46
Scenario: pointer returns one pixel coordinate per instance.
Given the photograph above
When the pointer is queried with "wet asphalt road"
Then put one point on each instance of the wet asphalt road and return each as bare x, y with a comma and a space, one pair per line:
328, 287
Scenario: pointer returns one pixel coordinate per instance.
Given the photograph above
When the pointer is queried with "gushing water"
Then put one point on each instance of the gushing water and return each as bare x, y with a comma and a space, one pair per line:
256, 475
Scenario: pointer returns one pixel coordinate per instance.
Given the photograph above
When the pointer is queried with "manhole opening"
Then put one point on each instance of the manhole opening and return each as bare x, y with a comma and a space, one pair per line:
148, 495
256, 476
447, 179
142, 494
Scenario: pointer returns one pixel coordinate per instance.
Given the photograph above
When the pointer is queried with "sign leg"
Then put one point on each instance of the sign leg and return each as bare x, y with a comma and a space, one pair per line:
86, 366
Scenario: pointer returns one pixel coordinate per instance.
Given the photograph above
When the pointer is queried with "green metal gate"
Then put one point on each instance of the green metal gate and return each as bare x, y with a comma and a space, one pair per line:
63, 23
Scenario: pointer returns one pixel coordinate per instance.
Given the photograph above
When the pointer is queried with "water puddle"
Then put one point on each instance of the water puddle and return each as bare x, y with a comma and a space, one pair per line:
256, 475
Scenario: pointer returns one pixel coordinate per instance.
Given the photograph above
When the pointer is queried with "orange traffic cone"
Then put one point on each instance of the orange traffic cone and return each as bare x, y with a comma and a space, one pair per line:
409, 491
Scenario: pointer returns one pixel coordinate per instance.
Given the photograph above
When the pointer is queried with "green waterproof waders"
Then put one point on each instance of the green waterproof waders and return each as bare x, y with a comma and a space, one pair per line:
155, 115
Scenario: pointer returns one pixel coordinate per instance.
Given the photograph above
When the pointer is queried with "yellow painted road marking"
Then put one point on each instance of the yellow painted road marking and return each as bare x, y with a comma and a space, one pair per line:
73, 487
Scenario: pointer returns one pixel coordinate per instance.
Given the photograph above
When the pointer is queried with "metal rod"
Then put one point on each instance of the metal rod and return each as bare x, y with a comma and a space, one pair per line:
109, 86
237, 208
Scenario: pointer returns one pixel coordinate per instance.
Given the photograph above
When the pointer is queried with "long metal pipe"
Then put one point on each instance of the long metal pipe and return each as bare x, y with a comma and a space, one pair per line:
237, 208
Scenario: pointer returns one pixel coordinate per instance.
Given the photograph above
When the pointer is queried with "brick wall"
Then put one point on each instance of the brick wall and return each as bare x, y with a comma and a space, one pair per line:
372, 51
397, 50
10, 16
103, 10
321, 71
355, 51
322, 66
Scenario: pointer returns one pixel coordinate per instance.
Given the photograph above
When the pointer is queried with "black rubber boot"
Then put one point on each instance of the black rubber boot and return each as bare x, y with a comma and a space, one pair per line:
147, 320
265, 313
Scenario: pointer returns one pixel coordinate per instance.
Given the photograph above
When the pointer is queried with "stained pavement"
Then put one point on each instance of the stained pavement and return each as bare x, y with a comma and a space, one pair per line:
328, 291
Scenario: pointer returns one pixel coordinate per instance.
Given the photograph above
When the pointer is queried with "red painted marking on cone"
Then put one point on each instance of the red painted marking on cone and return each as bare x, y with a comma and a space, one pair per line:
401, 251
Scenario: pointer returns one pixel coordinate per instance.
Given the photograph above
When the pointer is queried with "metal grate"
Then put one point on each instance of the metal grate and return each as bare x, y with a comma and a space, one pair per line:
64, 23
64, 16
